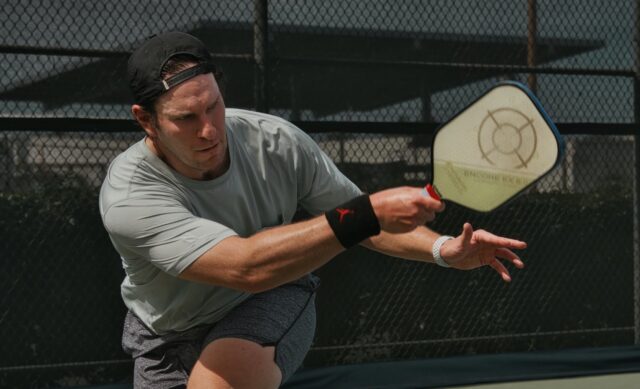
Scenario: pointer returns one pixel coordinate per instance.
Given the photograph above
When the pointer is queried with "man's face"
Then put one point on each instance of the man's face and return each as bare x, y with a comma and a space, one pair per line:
189, 130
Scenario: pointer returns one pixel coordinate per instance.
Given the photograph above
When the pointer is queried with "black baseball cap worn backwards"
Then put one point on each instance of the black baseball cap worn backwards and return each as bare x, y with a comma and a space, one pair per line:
146, 63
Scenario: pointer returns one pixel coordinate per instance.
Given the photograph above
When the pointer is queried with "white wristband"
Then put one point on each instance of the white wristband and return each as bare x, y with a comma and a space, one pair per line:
436, 250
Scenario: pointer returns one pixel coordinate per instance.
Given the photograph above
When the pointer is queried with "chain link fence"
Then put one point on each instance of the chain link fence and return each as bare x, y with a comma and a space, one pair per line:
369, 80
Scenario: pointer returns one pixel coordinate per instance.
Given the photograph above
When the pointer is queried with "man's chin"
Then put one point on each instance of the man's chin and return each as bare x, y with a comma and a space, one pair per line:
212, 170
208, 175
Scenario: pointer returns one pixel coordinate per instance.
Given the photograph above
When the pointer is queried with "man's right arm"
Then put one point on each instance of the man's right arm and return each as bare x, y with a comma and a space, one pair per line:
279, 255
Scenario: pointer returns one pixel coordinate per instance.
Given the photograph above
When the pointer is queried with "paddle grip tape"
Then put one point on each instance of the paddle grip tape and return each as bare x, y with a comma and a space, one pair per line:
353, 221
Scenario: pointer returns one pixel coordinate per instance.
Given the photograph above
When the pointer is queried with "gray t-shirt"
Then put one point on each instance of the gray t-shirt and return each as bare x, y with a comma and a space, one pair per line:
160, 221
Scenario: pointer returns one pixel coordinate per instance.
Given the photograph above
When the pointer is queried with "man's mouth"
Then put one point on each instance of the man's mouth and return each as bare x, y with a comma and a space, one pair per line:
206, 148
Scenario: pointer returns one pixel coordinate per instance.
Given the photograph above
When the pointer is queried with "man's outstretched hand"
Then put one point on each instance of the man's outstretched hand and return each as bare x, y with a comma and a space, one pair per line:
473, 249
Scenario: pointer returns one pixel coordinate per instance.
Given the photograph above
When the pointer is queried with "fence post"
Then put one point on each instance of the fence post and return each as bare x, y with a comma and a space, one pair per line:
260, 51
636, 188
532, 31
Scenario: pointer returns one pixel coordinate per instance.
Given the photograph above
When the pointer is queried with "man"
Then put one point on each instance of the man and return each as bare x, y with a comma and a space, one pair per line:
218, 280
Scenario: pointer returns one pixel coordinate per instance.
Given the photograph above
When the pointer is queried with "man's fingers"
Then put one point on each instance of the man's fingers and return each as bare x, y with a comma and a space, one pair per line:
430, 217
467, 233
402, 209
428, 207
429, 202
514, 244
499, 241
510, 256
424, 216
500, 269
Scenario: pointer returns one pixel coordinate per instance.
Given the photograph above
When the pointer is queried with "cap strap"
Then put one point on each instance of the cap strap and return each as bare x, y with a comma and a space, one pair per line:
187, 74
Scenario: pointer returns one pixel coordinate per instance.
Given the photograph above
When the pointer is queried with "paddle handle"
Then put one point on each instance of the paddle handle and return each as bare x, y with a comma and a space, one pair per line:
430, 191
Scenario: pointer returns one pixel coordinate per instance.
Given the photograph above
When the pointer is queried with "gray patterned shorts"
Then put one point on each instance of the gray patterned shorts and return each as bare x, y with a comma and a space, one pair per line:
283, 317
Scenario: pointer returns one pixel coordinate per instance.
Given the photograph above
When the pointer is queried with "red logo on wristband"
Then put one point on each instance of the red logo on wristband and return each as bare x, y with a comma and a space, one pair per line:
344, 212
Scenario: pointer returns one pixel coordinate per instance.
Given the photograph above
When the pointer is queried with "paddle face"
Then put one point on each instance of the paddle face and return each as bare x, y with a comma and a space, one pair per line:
494, 149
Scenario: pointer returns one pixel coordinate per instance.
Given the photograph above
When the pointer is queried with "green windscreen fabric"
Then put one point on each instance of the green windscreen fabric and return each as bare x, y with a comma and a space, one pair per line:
476, 369
574, 367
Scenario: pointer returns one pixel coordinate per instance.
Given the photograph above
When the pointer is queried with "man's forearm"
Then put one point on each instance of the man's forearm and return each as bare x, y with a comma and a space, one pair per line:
282, 254
267, 259
415, 245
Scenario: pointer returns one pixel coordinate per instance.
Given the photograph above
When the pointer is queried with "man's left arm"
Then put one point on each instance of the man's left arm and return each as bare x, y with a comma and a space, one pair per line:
469, 250
415, 245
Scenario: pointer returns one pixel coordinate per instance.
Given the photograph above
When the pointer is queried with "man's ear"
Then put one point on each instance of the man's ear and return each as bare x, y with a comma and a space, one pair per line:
144, 119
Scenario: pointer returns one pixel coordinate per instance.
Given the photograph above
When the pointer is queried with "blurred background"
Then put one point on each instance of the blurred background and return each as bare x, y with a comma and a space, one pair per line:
370, 80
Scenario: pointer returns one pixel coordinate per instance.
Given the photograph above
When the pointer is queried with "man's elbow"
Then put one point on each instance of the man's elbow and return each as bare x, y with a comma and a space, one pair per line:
243, 280
253, 281
237, 267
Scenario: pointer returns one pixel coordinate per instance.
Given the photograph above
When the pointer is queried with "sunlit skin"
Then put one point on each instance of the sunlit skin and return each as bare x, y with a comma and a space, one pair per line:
188, 130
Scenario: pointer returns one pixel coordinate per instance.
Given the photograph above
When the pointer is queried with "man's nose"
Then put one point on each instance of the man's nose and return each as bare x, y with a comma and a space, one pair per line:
208, 129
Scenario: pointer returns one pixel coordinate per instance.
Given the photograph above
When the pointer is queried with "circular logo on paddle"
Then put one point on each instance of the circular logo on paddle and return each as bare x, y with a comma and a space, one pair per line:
507, 138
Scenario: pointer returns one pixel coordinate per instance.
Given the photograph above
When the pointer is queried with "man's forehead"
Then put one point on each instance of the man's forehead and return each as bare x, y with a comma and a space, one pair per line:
201, 89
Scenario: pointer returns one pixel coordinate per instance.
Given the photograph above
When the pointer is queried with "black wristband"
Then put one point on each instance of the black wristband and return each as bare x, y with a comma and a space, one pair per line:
354, 221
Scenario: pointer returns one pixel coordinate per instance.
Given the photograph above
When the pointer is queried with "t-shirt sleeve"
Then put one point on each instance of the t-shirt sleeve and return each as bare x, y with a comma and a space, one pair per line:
163, 231
321, 185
